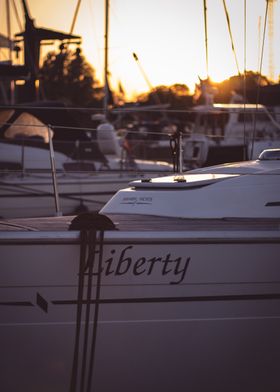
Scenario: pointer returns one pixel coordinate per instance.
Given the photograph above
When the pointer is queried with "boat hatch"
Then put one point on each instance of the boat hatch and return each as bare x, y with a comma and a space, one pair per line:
185, 181
271, 154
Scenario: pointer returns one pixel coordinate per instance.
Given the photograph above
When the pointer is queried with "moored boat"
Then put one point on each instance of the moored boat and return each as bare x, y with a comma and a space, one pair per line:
174, 284
27, 173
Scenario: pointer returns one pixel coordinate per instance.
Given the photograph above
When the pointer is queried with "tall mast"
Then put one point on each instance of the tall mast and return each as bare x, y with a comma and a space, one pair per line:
32, 37
106, 88
12, 83
206, 36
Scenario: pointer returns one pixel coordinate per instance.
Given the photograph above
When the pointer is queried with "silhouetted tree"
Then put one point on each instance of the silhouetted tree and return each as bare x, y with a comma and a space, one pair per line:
235, 83
68, 77
176, 96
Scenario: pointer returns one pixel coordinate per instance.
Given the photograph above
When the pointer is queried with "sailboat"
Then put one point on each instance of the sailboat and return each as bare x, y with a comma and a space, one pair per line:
223, 132
83, 183
218, 133
175, 282
172, 286
91, 162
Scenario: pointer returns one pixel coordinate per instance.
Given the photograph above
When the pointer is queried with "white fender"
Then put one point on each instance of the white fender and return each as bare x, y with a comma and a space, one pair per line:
107, 140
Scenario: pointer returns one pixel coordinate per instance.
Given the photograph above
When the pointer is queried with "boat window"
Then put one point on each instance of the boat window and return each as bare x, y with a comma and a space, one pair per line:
270, 155
262, 117
10, 166
249, 117
212, 123
79, 166
245, 117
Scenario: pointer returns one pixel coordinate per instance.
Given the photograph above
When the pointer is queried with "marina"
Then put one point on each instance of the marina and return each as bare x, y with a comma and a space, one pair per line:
139, 227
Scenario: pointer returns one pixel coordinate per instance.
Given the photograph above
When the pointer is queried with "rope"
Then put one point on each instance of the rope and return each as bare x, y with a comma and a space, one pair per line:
83, 252
88, 224
82, 371
89, 267
96, 312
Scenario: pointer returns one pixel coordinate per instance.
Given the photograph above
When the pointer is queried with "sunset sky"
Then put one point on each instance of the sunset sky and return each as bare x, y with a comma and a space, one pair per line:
167, 36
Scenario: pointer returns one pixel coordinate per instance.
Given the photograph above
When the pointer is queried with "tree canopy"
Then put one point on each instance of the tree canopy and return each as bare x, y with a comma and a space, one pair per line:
67, 76
176, 95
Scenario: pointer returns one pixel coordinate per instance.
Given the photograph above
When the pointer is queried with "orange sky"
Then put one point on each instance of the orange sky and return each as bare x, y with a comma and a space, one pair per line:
168, 37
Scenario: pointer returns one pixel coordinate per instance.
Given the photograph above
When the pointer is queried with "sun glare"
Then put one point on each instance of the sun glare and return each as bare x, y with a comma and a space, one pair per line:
168, 38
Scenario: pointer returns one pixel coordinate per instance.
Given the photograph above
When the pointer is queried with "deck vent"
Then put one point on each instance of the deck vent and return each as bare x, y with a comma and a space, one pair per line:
180, 179
146, 180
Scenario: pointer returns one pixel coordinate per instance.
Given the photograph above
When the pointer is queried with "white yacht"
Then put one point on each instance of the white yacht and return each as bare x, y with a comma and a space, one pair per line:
27, 174
174, 285
228, 132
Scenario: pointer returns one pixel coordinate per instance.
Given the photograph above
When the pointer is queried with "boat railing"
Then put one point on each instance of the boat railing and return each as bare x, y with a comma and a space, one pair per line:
80, 150
53, 171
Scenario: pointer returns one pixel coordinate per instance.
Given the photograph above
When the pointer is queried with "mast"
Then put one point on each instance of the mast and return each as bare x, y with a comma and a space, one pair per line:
33, 37
12, 83
206, 36
9, 29
231, 37
106, 87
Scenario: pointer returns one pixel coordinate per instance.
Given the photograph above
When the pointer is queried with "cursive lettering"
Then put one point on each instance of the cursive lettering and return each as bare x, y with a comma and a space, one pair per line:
127, 261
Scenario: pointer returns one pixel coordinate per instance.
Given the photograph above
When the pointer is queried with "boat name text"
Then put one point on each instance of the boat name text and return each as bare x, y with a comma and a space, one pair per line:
124, 263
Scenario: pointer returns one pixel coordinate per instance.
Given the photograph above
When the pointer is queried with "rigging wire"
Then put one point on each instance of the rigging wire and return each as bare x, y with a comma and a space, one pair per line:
74, 21
244, 79
75, 16
258, 81
153, 90
231, 37
17, 15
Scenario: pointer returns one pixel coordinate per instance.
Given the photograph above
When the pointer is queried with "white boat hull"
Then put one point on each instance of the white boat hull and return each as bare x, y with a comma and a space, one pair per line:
177, 312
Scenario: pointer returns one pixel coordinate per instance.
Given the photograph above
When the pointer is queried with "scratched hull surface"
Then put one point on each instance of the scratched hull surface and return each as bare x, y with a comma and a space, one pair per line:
203, 314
